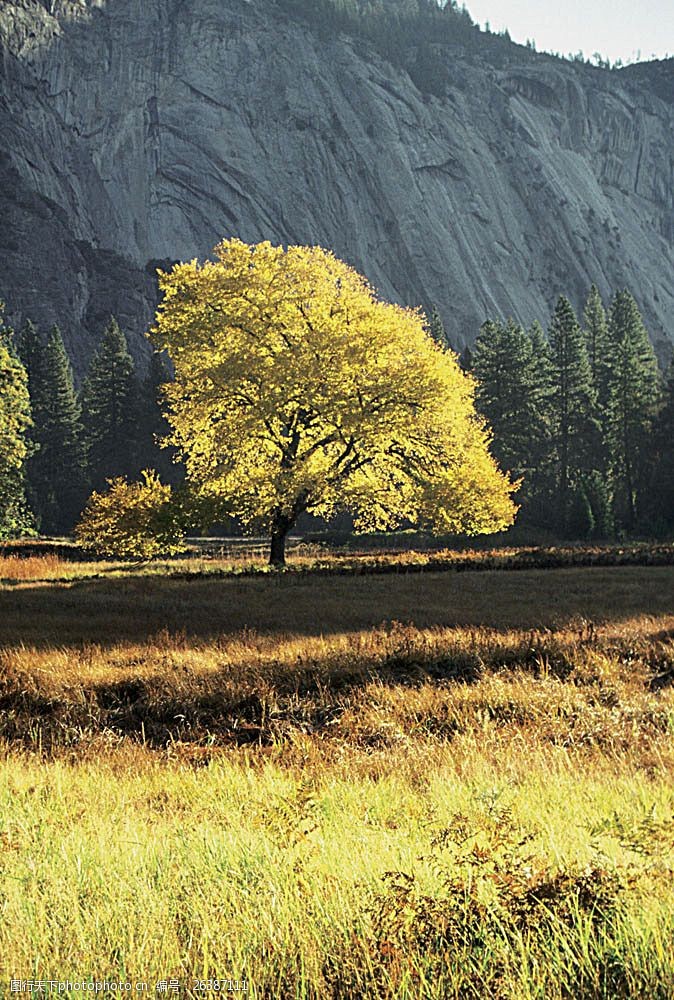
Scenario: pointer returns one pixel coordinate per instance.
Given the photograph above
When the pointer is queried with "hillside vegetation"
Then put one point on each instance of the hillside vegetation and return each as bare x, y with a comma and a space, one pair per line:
414, 35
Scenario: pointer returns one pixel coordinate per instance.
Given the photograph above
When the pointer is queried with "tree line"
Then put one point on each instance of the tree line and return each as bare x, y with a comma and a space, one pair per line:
582, 416
417, 35
411, 34
58, 444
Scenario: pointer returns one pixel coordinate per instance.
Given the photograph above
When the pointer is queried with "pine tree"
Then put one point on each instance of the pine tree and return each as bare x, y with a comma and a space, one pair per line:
633, 400
512, 397
543, 383
597, 342
466, 359
542, 431
576, 428
110, 410
437, 328
57, 470
502, 366
580, 521
30, 346
660, 497
599, 355
591, 514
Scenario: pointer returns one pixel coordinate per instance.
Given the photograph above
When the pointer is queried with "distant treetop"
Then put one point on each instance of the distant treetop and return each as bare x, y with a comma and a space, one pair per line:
409, 33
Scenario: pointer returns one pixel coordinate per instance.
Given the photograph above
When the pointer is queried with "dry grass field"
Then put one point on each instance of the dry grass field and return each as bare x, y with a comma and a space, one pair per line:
409, 784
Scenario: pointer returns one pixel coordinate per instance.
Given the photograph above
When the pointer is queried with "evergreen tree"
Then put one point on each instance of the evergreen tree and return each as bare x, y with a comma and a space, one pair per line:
14, 445
30, 346
110, 410
597, 343
591, 507
601, 499
580, 520
540, 345
633, 399
154, 426
542, 435
659, 505
56, 472
599, 355
437, 328
511, 396
575, 424
543, 382
502, 366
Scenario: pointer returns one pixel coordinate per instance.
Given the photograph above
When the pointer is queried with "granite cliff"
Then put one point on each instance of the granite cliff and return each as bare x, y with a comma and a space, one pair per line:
139, 132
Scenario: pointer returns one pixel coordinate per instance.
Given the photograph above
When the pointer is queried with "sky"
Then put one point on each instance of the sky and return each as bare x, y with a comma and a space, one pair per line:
618, 29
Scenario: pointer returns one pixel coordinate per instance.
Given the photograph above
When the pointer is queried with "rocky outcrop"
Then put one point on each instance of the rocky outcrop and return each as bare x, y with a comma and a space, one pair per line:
137, 132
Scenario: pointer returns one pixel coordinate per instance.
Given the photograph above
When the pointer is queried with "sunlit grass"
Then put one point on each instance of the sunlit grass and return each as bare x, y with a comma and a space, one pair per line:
242, 868
212, 777
48, 563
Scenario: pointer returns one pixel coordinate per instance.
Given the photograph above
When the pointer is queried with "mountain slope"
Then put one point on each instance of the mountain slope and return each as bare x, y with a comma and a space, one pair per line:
143, 132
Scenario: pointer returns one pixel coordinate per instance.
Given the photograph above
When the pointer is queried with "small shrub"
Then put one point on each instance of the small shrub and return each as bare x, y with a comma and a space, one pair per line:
132, 520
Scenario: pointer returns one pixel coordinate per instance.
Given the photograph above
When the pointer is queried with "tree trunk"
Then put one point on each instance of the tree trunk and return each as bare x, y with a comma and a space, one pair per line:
631, 507
564, 483
279, 532
281, 523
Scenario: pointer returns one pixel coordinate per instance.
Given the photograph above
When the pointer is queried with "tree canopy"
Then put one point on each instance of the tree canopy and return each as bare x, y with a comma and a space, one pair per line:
514, 389
581, 418
296, 390
573, 404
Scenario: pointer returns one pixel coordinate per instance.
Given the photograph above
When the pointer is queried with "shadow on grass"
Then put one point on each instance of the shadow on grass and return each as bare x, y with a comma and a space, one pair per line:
134, 609
261, 697
258, 703
336, 695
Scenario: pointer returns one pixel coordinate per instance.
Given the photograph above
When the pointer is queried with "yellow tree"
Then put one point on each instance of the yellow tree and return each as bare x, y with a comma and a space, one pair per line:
296, 390
15, 420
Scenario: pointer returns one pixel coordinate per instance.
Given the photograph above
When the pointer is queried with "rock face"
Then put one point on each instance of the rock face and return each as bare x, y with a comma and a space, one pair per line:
139, 132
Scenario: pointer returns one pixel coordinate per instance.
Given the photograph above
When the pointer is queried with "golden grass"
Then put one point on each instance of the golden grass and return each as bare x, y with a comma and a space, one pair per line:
63, 561
212, 777
18, 568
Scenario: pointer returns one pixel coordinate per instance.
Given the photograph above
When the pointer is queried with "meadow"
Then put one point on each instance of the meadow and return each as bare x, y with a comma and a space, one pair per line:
371, 779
